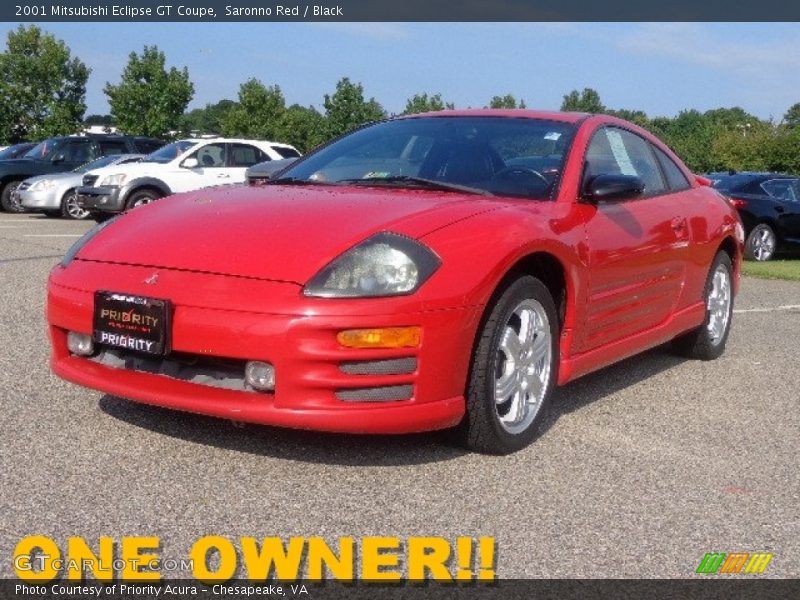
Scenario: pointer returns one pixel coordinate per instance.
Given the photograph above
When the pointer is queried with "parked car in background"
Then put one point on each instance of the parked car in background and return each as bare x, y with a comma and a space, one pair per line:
264, 171
16, 150
769, 205
410, 276
182, 166
54, 194
60, 154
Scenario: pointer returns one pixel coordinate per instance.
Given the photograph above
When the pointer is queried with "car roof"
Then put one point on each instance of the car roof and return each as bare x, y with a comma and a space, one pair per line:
234, 141
550, 115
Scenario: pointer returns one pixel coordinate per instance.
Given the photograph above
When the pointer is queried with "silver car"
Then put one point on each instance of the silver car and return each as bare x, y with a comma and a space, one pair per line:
54, 193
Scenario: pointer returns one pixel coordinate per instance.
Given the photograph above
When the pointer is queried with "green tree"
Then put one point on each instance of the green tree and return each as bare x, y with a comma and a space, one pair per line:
587, 101
792, 116
302, 127
507, 101
420, 103
149, 100
258, 112
208, 119
346, 108
637, 117
42, 86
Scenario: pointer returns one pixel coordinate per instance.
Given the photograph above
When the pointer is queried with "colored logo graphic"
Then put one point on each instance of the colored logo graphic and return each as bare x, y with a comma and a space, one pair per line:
734, 562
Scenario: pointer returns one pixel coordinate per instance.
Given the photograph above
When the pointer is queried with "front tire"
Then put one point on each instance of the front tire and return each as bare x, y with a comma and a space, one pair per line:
514, 369
70, 208
761, 243
707, 342
10, 202
140, 198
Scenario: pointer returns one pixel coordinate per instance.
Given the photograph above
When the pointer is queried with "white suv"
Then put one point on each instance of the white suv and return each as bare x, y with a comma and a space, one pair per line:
181, 166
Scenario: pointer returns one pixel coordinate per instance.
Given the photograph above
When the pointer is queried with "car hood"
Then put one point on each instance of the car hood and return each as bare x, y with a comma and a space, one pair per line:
280, 233
132, 170
60, 177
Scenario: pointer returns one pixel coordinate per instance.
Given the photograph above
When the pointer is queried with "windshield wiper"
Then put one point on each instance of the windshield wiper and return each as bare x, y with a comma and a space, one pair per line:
419, 182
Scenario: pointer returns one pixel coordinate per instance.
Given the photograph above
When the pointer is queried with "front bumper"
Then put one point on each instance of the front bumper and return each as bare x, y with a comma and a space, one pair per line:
37, 201
106, 198
214, 318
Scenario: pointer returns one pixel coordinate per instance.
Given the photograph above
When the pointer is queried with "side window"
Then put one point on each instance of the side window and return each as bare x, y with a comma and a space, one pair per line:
244, 155
79, 152
781, 189
211, 156
109, 147
286, 152
614, 151
675, 178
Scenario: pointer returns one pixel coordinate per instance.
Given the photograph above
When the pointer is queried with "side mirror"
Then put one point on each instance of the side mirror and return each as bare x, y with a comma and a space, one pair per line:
58, 158
190, 163
613, 188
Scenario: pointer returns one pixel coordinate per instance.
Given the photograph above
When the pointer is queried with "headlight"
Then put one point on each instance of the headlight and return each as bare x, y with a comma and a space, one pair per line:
84, 239
42, 185
387, 264
116, 179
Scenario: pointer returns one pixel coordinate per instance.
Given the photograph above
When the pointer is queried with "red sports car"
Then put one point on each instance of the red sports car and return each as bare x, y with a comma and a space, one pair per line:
434, 271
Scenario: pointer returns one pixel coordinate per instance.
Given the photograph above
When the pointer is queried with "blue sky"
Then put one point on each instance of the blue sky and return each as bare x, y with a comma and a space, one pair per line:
660, 68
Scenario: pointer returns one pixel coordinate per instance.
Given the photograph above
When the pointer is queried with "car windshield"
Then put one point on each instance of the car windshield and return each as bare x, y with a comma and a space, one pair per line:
96, 164
509, 156
45, 148
169, 152
10, 152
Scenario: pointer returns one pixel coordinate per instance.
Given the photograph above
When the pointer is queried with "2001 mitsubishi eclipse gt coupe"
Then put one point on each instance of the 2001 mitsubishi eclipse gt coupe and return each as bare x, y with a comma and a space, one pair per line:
435, 271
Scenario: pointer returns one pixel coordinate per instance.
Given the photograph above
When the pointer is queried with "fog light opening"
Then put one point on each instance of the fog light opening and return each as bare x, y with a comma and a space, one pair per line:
80, 343
260, 376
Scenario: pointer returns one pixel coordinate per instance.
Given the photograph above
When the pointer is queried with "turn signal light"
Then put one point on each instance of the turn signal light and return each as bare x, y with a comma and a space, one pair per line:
387, 337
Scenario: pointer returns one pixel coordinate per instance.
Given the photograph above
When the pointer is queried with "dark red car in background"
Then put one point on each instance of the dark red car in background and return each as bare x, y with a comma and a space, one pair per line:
435, 271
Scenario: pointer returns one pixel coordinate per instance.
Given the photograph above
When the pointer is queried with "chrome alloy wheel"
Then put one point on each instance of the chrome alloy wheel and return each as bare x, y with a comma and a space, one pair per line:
522, 367
763, 243
73, 209
719, 304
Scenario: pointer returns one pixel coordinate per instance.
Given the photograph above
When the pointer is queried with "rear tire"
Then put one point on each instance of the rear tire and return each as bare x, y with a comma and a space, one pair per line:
707, 342
8, 203
761, 243
514, 369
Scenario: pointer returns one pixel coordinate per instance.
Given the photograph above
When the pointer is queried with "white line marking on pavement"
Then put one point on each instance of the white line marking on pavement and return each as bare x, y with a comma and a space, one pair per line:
766, 310
48, 235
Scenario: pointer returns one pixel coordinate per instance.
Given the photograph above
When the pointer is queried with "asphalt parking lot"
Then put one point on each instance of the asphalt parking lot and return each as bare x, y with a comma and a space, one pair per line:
645, 467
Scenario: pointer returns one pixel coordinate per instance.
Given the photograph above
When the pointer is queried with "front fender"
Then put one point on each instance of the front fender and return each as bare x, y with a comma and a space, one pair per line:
142, 182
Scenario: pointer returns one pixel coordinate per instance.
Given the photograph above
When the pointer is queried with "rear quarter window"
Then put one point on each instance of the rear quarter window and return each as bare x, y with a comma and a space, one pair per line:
286, 152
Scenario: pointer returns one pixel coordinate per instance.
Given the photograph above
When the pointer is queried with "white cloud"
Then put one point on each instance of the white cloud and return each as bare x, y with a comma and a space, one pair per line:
697, 44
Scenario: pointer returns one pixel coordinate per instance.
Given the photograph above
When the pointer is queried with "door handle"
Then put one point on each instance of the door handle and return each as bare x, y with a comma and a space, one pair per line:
223, 176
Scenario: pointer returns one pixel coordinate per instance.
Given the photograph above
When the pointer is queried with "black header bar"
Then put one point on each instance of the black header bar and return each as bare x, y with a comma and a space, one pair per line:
397, 10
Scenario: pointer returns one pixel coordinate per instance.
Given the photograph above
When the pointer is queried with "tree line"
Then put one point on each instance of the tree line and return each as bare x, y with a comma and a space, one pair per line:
43, 93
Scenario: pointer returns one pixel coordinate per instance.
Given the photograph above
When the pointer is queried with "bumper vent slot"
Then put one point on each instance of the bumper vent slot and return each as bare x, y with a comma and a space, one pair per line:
89, 179
389, 393
392, 366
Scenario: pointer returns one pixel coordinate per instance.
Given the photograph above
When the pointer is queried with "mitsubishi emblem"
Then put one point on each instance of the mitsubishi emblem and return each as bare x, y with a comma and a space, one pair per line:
152, 280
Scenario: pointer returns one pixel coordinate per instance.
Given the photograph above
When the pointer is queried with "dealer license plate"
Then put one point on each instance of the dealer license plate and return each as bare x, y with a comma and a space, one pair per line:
131, 322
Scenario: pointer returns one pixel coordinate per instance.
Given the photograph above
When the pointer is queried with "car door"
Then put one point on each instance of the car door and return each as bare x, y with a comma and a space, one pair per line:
785, 192
240, 157
637, 247
203, 167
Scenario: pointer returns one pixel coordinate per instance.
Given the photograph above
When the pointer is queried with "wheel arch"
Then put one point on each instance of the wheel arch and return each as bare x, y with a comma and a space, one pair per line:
143, 183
